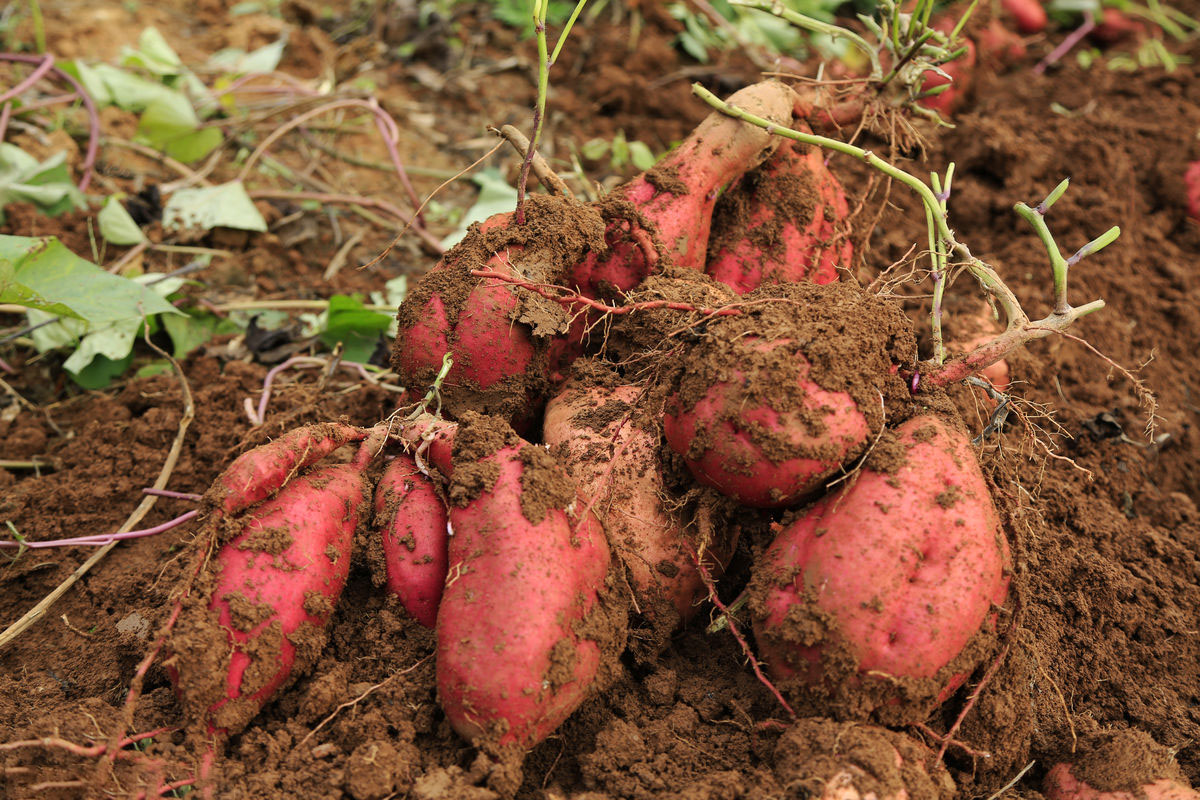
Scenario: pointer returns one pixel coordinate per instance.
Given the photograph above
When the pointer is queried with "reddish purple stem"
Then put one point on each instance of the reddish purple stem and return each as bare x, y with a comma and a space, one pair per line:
93, 145
38, 73
5, 367
1072, 39
102, 539
301, 361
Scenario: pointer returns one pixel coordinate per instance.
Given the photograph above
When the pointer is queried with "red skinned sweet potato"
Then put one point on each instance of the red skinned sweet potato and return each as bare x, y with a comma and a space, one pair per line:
411, 521
257, 617
779, 223
672, 203
257, 474
612, 454
1028, 15
1191, 184
888, 579
1115, 25
1000, 45
1122, 764
515, 651
792, 456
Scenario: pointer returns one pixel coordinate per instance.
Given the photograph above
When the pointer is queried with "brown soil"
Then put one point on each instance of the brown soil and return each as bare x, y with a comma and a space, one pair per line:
1105, 544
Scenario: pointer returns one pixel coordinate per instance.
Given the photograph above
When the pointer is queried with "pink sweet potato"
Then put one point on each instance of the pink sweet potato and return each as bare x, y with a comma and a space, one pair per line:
515, 651
1118, 764
766, 454
672, 204
1115, 25
889, 578
1028, 15
1191, 184
612, 454
257, 474
257, 617
411, 521
779, 223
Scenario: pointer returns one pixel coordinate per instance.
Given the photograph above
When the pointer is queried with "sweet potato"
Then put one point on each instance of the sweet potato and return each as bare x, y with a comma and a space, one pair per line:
1191, 184
780, 223
502, 339
1118, 765
1115, 25
518, 645
999, 45
257, 617
410, 519
611, 452
767, 418
257, 474
1028, 15
665, 213
885, 582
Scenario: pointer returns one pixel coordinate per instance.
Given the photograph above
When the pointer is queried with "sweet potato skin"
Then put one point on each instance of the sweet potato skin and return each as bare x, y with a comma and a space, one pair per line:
716, 440
902, 568
411, 521
511, 663
257, 474
272, 591
1060, 783
617, 468
779, 223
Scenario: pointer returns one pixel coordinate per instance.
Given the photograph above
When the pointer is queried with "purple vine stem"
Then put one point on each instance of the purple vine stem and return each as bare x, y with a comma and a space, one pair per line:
93, 146
173, 495
1065, 47
103, 539
38, 73
6, 367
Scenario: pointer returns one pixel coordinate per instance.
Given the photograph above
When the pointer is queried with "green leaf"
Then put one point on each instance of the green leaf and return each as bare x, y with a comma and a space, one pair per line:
356, 328
67, 284
620, 150
156, 367
190, 331
47, 184
595, 149
641, 155
116, 225
171, 124
100, 372
128, 91
495, 197
239, 62
153, 54
91, 80
693, 47
208, 207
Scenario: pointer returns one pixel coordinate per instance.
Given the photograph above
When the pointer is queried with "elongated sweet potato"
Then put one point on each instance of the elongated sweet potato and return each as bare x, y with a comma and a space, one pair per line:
883, 584
411, 521
518, 647
257, 474
611, 452
780, 223
257, 616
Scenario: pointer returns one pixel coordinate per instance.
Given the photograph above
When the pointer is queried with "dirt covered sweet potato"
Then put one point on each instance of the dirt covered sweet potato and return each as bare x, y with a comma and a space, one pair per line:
412, 529
1118, 765
780, 223
771, 403
869, 599
257, 615
610, 448
521, 636
665, 213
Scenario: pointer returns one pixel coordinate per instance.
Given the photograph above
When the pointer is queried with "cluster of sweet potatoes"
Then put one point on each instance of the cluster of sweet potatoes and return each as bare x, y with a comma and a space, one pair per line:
681, 381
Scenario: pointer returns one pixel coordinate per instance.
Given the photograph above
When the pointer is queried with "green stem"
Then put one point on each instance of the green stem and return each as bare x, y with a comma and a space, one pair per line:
816, 26
986, 276
39, 26
566, 31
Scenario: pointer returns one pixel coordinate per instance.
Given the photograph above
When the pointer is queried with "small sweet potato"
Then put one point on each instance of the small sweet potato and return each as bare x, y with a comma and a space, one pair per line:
517, 645
1028, 15
257, 616
410, 519
257, 474
1118, 765
888, 579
